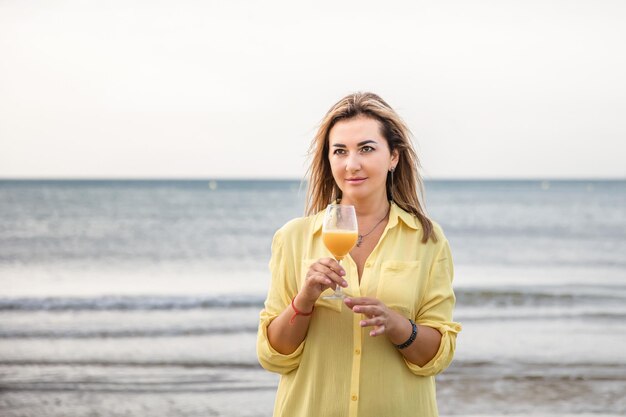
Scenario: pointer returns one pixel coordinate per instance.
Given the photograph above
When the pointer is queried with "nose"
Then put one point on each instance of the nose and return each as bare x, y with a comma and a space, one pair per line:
353, 164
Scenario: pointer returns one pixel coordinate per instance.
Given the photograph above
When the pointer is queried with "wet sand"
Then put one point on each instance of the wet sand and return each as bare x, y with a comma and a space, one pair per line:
464, 390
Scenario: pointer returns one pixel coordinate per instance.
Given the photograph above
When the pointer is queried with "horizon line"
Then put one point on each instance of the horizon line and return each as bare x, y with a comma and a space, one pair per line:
291, 179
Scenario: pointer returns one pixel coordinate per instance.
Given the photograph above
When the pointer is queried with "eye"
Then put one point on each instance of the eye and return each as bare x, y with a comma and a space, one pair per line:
339, 151
367, 148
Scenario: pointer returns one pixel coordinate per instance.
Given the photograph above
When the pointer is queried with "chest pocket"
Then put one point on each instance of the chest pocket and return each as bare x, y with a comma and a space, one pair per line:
398, 286
334, 305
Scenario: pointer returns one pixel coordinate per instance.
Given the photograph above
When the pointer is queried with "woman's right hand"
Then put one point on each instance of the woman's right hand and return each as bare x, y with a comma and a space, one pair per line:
323, 274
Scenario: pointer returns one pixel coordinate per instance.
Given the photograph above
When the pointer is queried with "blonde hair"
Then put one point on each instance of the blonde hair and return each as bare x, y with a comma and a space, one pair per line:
406, 189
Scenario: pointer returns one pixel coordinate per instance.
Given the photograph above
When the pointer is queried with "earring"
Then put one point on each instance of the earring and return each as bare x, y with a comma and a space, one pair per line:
391, 172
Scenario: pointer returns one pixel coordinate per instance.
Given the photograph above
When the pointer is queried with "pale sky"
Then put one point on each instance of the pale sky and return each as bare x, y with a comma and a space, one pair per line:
235, 89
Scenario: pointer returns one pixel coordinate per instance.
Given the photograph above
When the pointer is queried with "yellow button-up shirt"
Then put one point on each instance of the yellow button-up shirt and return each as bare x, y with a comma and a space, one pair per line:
339, 370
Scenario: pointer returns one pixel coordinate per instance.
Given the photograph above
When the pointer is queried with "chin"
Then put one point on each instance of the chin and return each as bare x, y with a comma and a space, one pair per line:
355, 195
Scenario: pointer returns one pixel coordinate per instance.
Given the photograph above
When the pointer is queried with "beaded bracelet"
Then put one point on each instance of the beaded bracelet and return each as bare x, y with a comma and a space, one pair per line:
411, 338
297, 312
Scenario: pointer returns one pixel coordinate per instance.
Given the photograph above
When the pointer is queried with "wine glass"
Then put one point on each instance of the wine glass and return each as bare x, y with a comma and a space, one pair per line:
340, 231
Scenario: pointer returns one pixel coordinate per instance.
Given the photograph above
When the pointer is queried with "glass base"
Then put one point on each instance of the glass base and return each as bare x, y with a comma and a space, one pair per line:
334, 296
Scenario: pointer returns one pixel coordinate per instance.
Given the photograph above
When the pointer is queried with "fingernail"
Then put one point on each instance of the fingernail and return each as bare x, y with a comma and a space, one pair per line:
362, 323
356, 309
342, 272
348, 300
344, 283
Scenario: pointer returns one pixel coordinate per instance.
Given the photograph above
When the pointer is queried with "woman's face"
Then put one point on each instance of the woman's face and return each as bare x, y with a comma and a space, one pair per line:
360, 159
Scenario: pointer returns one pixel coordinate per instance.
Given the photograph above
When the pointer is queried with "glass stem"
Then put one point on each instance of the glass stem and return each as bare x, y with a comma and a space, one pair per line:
338, 289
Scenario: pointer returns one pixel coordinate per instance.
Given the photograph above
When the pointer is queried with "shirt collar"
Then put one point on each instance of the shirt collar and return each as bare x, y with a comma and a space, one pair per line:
319, 219
395, 214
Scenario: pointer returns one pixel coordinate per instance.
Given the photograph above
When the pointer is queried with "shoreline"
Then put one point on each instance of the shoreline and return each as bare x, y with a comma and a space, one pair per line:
467, 391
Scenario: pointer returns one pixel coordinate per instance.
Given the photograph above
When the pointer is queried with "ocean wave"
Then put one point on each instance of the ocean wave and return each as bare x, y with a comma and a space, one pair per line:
252, 363
485, 367
182, 330
469, 297
230, 328
517, 315
540, 296
130, 303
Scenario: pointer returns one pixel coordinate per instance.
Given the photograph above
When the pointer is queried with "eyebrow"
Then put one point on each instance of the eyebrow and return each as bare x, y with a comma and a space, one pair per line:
365, 142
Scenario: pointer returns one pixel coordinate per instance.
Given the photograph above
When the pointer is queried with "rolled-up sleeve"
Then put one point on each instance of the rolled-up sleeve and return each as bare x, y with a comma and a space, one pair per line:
436, 312
282, 289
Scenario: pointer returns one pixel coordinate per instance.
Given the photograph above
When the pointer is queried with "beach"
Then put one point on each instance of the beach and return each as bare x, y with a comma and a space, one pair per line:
142, 297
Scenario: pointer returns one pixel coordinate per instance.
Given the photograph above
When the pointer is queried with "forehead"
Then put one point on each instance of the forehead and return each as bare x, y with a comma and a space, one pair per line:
356, 129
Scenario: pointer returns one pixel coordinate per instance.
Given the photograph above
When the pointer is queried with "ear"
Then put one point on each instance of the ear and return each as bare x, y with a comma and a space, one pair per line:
395, 157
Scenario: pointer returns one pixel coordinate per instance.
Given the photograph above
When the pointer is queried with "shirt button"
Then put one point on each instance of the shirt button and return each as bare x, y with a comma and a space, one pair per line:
354, 397
367, 264
357, 351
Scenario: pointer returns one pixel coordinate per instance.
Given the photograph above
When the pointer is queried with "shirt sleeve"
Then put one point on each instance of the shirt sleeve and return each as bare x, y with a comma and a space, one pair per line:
282, 290
436, 312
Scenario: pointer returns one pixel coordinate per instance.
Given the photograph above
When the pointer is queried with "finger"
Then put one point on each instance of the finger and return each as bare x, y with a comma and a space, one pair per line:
374, 321
332, 264
353, 301
324, 281
320, 267
368, 310
319, 281
378, 331
323, 269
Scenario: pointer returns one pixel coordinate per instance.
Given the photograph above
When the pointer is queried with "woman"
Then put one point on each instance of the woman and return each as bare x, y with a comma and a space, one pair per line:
376, 353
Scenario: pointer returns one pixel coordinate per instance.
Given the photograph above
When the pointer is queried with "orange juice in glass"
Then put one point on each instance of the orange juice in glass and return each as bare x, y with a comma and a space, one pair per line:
339, 234
339, 242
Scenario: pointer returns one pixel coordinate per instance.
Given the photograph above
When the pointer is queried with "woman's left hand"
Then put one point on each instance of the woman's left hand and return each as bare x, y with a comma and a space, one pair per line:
378, 315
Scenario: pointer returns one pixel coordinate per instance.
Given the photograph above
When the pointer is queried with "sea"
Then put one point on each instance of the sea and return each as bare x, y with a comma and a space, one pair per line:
141, 297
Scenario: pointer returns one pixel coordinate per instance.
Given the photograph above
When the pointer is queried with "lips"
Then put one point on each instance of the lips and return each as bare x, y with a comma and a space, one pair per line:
356, 180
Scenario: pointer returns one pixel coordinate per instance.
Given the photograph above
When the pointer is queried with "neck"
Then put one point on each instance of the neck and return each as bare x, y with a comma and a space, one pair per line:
375, 208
